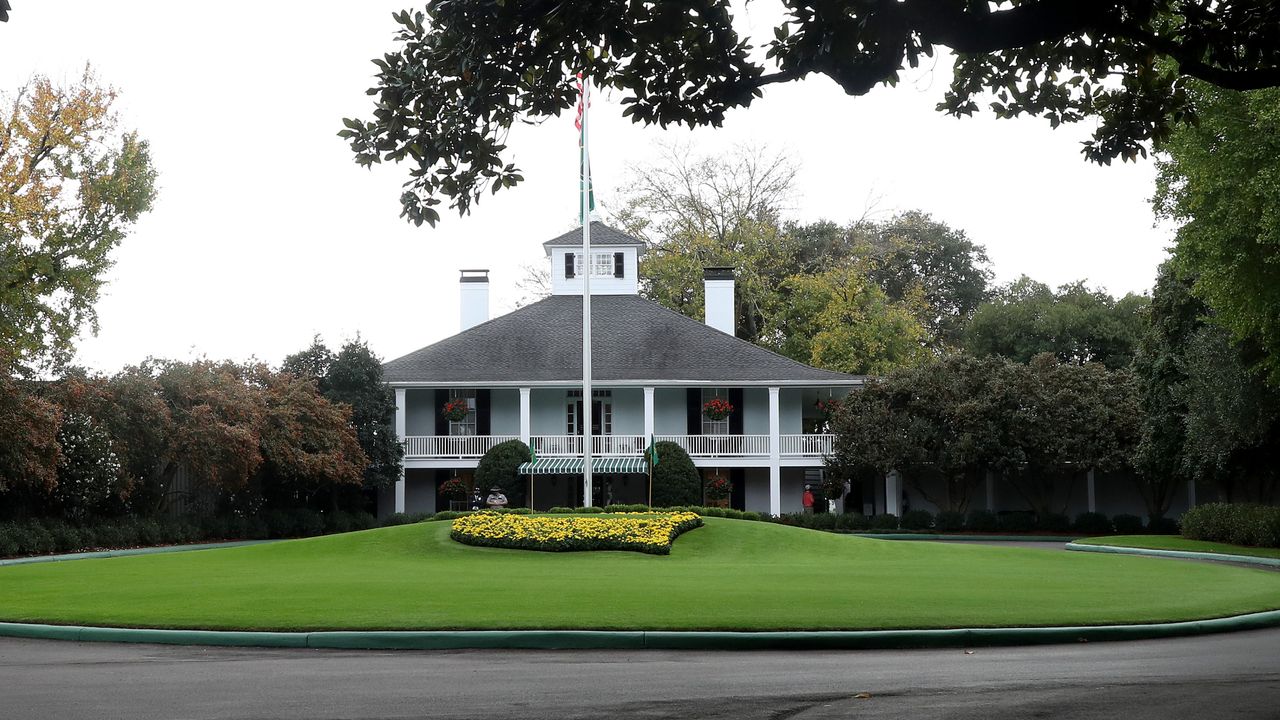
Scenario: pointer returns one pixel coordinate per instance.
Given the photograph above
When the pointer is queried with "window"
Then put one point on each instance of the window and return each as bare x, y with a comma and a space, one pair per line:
601, 413
709, 426
466, 426
602, 264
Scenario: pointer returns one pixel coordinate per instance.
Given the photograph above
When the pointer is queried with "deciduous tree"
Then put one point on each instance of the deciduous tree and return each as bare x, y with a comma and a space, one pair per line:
1076, 324
1219, 181
465, 71
72, 185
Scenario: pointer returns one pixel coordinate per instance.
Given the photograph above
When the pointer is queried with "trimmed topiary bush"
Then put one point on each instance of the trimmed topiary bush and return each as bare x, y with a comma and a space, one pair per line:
949, 521
560, 510
1127, 524
1092, 523
917, 520
675, 479
500, 467
1238, 524
982, 521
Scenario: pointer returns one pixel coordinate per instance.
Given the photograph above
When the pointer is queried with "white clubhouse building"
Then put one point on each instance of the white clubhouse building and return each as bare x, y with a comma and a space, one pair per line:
653, 370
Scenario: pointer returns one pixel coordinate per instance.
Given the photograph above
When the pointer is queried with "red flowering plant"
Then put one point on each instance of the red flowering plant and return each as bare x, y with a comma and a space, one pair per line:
717, 409
718, 488
828, 407
456, 410
453, 489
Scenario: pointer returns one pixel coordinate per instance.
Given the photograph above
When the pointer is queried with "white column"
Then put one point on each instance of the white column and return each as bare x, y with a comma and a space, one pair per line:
525, 424
991, 491
648, 415
400, 489
775, 447
1093, 501
892, 494
400, 429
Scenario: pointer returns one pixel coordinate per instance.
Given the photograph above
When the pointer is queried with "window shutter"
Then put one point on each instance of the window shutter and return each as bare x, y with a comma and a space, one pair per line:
617, 265
735, 418
693, 401
483, 404
568, 265
442, 425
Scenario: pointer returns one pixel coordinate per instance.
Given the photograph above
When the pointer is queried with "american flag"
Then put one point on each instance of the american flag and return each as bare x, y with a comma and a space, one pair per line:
583, 101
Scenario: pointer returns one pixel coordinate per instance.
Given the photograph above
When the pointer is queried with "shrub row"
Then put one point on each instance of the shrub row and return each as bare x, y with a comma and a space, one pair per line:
979, 521
44, 537
1238, 524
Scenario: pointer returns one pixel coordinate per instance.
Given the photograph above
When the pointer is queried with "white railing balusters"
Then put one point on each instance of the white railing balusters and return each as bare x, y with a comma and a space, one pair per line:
474, 446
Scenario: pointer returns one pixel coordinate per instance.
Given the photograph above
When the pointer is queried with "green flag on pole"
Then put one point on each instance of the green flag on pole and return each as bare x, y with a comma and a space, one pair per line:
652, 452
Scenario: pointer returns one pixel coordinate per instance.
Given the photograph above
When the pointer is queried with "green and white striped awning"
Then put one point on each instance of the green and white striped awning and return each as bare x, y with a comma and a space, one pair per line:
573, 465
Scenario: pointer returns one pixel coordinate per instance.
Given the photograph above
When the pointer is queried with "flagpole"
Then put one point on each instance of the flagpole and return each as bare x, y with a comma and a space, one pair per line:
587, 267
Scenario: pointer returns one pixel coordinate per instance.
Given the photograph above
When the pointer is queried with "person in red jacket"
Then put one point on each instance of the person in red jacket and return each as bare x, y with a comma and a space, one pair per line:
807, 499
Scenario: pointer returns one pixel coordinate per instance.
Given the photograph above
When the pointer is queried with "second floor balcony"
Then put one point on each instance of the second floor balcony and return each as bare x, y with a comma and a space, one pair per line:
698, 446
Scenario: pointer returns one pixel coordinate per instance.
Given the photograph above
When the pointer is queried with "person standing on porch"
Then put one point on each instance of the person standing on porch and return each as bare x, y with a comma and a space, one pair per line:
806, 499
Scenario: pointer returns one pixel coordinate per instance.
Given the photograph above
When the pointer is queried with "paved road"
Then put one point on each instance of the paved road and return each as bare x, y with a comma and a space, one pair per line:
1221, 676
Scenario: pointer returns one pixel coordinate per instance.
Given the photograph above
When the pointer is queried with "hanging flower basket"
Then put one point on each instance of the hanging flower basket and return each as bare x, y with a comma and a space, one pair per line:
453, 489
829, 407
718, 489
717, 409
455, 410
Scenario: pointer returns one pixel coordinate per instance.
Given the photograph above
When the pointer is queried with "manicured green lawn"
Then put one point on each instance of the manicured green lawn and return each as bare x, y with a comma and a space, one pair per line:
1174, 542
728, 575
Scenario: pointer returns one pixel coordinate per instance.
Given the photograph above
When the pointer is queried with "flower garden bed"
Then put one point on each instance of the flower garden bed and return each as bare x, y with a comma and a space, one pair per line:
640, 532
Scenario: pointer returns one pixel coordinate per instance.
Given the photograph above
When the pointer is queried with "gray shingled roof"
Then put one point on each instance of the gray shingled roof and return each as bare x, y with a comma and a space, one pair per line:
601, 235
633, 339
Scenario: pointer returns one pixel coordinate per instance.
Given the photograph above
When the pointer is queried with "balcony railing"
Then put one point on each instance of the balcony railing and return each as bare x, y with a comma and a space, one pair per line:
451, 446
601, 445
721, 445
806, 445
700, 446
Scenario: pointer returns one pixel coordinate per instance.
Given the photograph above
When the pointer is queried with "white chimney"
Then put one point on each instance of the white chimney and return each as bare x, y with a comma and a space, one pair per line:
718, 291
474, 308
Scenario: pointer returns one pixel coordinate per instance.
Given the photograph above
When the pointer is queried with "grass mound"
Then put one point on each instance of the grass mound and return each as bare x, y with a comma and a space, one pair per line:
729, 575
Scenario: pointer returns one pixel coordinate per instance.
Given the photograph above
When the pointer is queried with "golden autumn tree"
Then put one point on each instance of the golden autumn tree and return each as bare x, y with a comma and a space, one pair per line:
72, 185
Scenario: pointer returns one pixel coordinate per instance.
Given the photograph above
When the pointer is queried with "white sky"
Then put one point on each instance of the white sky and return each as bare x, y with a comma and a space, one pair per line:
265, 231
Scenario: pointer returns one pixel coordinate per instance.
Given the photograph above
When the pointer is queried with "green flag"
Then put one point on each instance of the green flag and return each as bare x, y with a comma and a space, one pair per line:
533, 455
652, 452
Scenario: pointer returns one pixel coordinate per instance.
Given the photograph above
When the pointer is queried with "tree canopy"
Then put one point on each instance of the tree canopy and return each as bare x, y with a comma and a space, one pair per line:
465, 71
1076, 324
72, 184
1220, 181
353, 377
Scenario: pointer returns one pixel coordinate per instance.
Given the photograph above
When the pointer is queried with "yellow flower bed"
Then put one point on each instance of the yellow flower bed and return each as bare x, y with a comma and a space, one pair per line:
641, 532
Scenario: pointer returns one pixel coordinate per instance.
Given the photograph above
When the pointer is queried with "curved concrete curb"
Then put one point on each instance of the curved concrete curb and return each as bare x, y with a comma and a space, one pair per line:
1183, 554
640, 640
974, 538
130, 551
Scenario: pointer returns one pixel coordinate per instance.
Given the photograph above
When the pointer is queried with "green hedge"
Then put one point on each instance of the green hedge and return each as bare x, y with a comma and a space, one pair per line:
48, 536
1238, 524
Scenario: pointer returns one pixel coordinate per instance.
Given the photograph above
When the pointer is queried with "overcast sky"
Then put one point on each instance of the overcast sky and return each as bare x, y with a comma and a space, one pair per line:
265, 232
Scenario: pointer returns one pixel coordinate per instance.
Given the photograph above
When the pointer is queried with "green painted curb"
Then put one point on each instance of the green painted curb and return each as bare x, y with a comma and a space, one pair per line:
1183, 554
479, 639
125, 552
635, 640
975, 538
